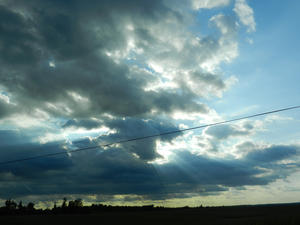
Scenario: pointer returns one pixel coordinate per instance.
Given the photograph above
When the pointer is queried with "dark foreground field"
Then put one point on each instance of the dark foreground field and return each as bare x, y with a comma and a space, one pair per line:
245, 215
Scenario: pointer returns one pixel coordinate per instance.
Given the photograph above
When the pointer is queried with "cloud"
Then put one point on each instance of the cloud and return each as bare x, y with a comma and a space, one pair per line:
273, 154
17, 41
91, 58
225, 131
5, 108
128, 67
118, 171
130, 128
121, 129
208, 4
226, 24
105, 58
245, 14
220, 139
85, 123
16, 145
82, 66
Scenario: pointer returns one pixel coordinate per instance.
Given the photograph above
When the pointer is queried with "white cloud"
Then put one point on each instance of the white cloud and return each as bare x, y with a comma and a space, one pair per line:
52, 64
225, 24
245, 14
208, 4
4, 98
51, 137
26, 121
77, 97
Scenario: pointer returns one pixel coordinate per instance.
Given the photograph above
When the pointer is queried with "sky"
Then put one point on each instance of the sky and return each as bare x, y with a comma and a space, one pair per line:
75, 74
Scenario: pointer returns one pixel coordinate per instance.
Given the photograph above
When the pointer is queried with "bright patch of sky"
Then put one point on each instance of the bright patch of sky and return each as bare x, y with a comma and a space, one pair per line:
267, 69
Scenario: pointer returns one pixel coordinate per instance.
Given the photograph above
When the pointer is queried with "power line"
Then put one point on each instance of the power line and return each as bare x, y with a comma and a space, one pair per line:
148, 136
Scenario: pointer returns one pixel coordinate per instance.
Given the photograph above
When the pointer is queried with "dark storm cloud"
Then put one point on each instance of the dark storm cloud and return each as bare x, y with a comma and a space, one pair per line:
84, 80
11, 137
118, 171
110, 91
125, 129
84, 123
5, 108
76, 36
94, 172
87, 43
201, 170
18, 43
130, 128
273, 154
16, 145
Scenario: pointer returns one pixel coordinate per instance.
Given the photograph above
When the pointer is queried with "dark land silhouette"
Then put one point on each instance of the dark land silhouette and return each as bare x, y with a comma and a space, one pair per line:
74, 212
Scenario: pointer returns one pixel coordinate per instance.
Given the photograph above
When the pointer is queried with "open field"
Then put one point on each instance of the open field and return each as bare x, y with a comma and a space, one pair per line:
288, 214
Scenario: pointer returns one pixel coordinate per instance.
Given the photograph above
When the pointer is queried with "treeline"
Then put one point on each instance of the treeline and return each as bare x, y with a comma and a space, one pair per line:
69, 207
12, 207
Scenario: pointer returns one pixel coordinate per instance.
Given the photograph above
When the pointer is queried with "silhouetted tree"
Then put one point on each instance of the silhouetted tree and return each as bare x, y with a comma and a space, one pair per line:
78, 202
20, 206
64, 204
10, 204
71, 204
75, 204
54, 207
30, 206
